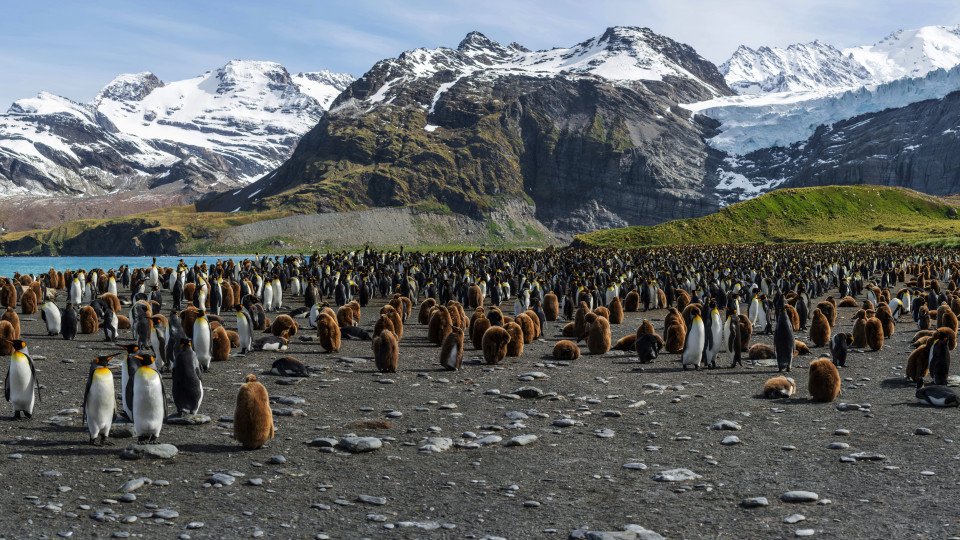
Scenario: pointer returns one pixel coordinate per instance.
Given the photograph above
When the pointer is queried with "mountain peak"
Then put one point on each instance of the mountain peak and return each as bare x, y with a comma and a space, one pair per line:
476, 40
129, 87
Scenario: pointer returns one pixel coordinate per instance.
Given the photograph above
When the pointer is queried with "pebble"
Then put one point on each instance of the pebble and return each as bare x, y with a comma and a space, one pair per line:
436, 444
369, 499
189, 420
676, 475
927, 473
868, 456
755, 502
488, 440
799, 496
521, 440
324, 442
156, 451
255, 482
222, 479
134, 484
277, 460
838, 446
730, 440
531, 504
528, 392
727, 425
193, 525
166, 513
516, 415
128, 497
841, 432
605, 433
356, 445
923, 431
635, 466
794, 518
805, 532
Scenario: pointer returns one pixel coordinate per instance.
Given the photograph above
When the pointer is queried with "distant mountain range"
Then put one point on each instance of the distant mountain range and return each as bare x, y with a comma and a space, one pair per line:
627, 127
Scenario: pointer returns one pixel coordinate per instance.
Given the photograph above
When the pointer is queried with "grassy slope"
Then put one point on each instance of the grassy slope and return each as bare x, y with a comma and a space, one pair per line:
822, 214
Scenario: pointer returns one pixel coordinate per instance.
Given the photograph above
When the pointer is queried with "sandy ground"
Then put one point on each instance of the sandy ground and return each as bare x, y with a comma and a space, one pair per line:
55, 483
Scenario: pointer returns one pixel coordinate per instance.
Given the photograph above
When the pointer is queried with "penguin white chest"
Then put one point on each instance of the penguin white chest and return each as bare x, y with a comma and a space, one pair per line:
147, 402
21, 386
101, 402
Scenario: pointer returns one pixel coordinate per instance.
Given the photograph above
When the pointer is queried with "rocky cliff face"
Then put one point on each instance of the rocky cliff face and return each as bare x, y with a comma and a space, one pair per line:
912, 146
591, 134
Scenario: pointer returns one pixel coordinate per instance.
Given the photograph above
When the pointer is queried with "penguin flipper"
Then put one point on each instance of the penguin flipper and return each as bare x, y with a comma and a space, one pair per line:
33, 373
86, 392
6, 386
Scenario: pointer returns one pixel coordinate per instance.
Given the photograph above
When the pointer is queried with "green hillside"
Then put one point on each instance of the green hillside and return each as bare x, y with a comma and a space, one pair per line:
819, 214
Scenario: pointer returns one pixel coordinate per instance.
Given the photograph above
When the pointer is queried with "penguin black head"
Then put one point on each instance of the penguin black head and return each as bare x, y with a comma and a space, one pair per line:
144, 360
18, 344
200, 314
103, 361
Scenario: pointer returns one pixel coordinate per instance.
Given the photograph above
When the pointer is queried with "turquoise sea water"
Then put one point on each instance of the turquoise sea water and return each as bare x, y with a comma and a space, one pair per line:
34, 265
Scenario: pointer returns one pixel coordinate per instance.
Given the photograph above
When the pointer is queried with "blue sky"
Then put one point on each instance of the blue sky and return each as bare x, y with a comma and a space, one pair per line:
74, 48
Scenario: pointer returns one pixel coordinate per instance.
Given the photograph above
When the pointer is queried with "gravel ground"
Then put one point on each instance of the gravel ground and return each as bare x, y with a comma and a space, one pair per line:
628, 424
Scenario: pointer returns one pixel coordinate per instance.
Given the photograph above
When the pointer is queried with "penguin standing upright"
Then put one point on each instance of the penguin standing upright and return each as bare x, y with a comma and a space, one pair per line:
50, 314
186, 386
939, 364
696, 339
713, 333
126, 377
145, 391
783, 340
110, 325
202, 340
732, 338
19, 385
99, 400
70, 323
245, 329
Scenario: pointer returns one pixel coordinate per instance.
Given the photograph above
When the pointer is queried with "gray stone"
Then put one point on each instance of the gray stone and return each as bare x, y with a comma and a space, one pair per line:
324, 442
631, 532
356, 445
726, 425
838, 446
676, 475
923, 431
166, 513
223, 479
155, 451
730, 440
521, 440
794, 518
605, 433
635, 466
188, 420
277, 460
436, 444
565, 422
134, 484
489, 439
529, 392
799, 497
868, 456
805, 532
370, 499
755, 502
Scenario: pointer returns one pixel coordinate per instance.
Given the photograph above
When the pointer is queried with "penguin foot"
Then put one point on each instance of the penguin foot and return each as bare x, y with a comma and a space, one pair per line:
16, 414
27, 415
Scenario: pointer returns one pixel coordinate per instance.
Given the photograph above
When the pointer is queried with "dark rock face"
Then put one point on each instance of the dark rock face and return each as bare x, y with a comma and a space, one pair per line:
912, 146
588, 151
127, 237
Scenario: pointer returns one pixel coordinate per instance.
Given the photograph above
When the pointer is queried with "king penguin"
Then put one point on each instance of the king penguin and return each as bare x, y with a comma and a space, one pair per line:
99, 400
186, 387
19, 385
696, 338
201, 340
146, 394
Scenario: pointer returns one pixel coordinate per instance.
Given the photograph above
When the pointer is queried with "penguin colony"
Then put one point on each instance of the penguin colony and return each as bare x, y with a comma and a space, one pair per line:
715, 305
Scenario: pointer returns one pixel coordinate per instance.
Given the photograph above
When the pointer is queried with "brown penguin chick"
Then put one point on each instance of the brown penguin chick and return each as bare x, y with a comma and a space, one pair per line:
602, 312
761, 351
89, 322
423, 316
9, 295
859, 331
683, 299
474, 296
779, 387
661, 298
886, 319
746, 332
631, 303
626, 343
28, 302
345, 316
579, 319
829, 311
598, 335
37, 291
383, 323
566, 350
220, 345
515, 347
946, 318
396, 319
800, 348
440, 325
535, 319
355, 306
451, 352
187, 318
675, 337
284, 326
918, 362
616, 311
7, 335
947, 334
874, 334
189, 290
457, 316
819, 329
11, 316
253, 418
569, 330
226, 295
922, 334
328, 331
234, 339
793, 316
867, 305
506, 319
646, 327
954, 302
847, 302
824, 380
494, 344
386, 352
406, 308
123, 322
495, 316
477, 314
527, 326
480, 326
112, 300
551, 307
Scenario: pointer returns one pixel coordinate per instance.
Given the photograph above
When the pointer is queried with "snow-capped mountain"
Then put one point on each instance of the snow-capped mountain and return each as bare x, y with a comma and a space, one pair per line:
910, 53
798, 67
591, 133
220, 129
